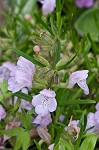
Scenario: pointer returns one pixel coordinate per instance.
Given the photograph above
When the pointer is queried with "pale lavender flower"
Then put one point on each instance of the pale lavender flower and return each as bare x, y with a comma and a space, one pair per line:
43, 121
90, 122
1, 143
97, 106
44, 102
84, 3
51, 147
10, 125
25, 104
61, 118
93, 120
43, 133
21, 76
48, 6
5, 70
2, 112
79, 77
73, 127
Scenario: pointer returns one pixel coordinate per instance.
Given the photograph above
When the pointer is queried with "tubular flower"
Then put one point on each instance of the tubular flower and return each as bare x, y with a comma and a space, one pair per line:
21, 75
84, 3
43, 121
44, 102
48, 6
46, 137
79, 77
93, 120
5, 70
2, 112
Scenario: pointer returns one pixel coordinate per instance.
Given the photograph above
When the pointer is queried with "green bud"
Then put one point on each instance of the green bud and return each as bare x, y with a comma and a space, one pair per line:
62, 62
42, 60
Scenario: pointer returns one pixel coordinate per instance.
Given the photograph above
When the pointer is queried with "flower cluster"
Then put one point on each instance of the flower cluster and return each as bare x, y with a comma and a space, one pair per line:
21, 75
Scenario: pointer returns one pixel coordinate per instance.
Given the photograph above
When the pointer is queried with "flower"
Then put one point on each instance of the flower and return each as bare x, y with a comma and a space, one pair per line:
43, 121
51, 147
61, 118
21, 75
2, 112
48, 6
44, 102
37, 48
24, 104
10, 125
79, 77
84, 3
27, 17
46, 137
93, 120
5, 70
73, 127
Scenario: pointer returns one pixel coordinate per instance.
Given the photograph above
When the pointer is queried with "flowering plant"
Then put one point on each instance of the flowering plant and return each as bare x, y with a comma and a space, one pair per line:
49, 75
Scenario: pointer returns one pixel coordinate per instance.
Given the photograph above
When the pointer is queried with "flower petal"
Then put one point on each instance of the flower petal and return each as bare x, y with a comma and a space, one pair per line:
43, 110
37, 99
52, 104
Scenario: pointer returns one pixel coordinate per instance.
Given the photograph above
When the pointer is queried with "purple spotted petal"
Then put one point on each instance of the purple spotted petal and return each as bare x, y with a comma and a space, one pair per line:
48, 93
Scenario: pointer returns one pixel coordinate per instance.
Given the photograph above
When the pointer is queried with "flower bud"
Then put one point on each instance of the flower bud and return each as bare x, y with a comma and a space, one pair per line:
37, 48
44, 134
27, 17
42, 60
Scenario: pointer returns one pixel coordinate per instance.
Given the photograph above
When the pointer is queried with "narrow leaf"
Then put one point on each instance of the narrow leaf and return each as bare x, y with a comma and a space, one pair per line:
32, 59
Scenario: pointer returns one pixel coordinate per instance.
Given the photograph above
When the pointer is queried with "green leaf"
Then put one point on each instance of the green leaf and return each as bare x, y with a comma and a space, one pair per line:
57, 48
37, 145
32, 59
44, 24
4, 86
89, 143
23, 118
64, 145
18, 143
23, 96
26, 140
62, 64
13, 132
88, 22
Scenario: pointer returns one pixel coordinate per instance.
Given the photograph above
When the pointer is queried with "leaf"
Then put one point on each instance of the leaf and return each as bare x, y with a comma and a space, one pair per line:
62, 64
64, 145
13, 132
23, 118
18, 143
88, 22
89, 143
26, 140
43, 23
23, 96
57, 48
79, 101
32, 59
4, 86
37, 145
